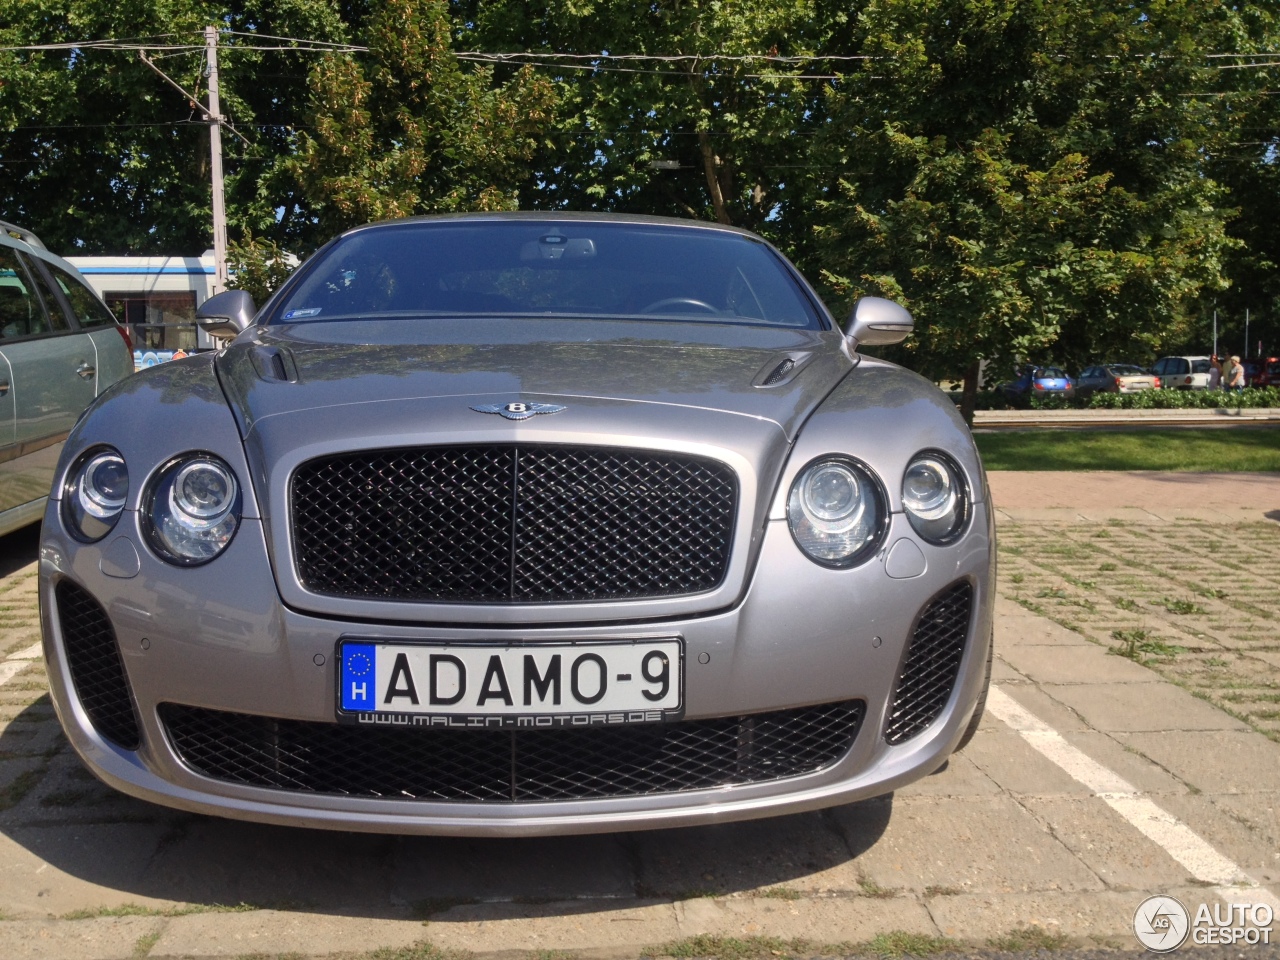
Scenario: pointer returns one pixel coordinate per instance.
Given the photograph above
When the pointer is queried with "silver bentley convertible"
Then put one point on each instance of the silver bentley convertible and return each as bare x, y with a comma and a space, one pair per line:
522, 524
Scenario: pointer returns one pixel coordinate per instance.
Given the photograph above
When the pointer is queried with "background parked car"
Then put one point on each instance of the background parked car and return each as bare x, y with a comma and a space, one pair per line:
1036, 381
1183, 373
1268, 374
1115, 378
59, 348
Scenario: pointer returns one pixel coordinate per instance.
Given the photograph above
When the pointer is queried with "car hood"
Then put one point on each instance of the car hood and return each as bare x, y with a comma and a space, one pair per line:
310, 391
282, 371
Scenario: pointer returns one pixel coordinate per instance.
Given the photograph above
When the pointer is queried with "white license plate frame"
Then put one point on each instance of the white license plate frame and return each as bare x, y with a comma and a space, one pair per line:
544, 685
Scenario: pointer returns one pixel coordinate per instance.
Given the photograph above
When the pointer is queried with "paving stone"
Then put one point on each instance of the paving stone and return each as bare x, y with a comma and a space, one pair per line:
961, 777
1010, 762
1145, 775
1132, 707
1075, 664
1234, 836
554, 868
103, 938
1054, 712
1028, 629
990, 845
1108, 844
1222, 761
803, 852
54, 871
826, 921
1105, 915
206, 860
275, 932
493, 927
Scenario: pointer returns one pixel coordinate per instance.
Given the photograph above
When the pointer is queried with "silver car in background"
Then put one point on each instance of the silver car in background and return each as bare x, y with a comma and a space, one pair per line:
517, 524
59, 348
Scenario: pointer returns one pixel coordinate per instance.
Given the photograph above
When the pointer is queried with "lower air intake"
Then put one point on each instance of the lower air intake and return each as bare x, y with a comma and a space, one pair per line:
97, 672
931, 665
510, 765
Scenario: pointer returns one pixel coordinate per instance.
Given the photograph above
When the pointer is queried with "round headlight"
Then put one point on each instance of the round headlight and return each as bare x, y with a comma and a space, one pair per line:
836, 512
193, 509
94, 496
933, 497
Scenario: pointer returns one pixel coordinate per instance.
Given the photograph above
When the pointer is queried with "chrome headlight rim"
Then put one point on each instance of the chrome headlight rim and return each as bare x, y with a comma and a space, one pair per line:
160, 503
931, 530
880, 513
89, 513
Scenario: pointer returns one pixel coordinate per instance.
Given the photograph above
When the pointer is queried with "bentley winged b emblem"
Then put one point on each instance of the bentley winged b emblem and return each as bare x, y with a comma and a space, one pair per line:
517, 410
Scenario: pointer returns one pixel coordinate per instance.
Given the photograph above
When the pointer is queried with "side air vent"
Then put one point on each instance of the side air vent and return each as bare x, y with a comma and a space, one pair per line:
931, 664
96, 669
274, 365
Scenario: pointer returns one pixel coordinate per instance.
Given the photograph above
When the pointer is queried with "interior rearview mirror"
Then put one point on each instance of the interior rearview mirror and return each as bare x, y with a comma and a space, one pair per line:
876, 322
226, 314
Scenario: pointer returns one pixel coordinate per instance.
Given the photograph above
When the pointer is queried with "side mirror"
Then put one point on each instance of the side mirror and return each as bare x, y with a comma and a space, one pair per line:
226, 314
877, 322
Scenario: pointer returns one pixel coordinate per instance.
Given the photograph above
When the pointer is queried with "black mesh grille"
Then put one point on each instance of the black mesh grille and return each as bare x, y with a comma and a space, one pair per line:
931, 664
96, 669
498, 524
505, 766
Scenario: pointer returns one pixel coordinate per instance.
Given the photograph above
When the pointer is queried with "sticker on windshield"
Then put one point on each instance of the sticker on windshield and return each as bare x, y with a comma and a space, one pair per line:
299, 314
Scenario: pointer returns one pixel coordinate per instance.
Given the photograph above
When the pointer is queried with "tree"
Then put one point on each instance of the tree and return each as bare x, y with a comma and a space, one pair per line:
101, 156
707, 123
1026, 177
409, 130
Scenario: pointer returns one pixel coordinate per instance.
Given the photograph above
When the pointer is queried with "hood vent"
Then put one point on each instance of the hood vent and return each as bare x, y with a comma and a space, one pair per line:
779, 373
780, 370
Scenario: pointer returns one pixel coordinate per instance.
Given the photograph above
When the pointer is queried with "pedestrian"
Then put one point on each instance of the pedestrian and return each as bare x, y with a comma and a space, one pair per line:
1235, 375
1215, 373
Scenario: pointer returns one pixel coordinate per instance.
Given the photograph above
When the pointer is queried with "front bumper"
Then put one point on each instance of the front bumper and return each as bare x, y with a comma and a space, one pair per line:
219, 637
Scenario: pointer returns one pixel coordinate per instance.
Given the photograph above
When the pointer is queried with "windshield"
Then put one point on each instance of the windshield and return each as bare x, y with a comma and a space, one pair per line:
1126, 371
548, 268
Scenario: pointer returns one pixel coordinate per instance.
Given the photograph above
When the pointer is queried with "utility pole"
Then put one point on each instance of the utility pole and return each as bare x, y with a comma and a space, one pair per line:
1246, 333
215, 165
1215, 331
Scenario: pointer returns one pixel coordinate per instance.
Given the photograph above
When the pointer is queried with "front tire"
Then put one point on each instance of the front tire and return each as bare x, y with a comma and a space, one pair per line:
981, 705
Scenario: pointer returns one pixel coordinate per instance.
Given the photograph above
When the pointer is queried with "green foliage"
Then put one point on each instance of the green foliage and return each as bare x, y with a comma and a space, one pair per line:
1025, 939
730, 948
407, 130
1139, 645
257, 266
1023, 177
101, 156
1250, 397
736, 130
900, 943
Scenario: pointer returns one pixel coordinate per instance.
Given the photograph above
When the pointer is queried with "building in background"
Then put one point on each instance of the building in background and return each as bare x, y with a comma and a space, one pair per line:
157, 297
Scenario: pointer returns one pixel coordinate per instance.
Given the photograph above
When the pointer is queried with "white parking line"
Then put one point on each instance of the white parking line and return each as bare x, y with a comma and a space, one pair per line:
10, 666
1169, 833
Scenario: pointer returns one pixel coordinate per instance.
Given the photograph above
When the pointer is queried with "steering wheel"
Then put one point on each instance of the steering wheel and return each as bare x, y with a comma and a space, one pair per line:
658, 305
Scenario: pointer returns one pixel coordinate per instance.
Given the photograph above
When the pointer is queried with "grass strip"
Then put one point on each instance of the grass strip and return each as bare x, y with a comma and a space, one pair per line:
1210, 450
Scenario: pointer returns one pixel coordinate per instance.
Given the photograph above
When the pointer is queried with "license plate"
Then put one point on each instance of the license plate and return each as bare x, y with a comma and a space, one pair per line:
535, 685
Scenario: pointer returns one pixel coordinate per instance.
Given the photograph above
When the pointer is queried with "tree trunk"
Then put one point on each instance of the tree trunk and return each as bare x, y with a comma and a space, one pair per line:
969, 395
711, 164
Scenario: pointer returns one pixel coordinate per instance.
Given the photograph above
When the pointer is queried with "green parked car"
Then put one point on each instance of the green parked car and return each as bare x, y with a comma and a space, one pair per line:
60, 347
